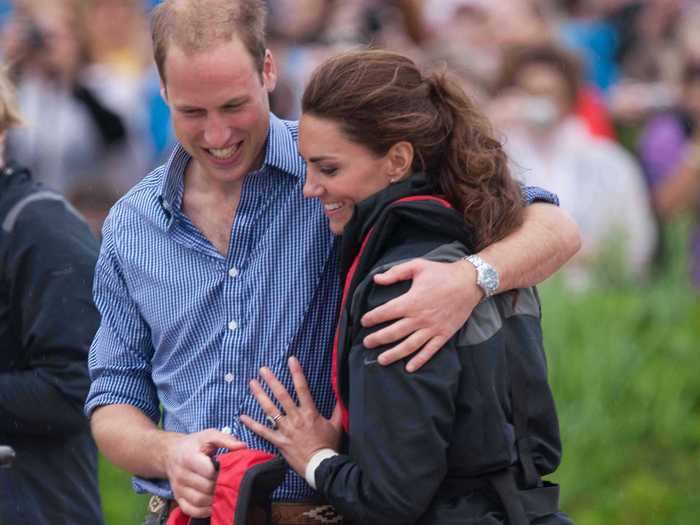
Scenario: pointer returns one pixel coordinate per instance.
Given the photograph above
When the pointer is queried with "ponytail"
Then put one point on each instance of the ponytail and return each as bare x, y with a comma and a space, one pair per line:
471, 169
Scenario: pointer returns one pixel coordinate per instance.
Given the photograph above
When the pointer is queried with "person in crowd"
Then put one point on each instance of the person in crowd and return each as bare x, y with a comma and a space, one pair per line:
407, 167
549, 145
670, 152
47, 49
215, 264
47, 320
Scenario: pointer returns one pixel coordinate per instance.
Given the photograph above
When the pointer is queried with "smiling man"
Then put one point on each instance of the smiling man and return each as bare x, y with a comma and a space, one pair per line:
215, 265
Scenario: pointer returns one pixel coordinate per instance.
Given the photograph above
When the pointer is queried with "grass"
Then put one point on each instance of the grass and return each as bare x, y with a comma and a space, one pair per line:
624, 369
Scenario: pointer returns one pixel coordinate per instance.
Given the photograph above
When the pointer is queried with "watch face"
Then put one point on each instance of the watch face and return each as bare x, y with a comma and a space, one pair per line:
489, 278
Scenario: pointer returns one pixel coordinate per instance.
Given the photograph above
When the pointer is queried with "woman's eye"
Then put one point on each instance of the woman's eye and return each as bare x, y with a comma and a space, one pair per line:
328, 170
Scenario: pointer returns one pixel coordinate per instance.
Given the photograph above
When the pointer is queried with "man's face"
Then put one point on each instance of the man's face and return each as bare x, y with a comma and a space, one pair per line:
220, 109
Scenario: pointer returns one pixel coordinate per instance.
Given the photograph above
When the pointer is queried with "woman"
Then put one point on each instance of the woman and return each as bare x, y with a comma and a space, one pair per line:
401, 163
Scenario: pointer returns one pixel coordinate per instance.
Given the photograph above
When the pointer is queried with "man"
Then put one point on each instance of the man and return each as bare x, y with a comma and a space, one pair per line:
215, 265
47, 320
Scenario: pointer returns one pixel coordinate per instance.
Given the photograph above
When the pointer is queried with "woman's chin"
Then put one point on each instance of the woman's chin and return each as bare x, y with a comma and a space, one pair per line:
336, 229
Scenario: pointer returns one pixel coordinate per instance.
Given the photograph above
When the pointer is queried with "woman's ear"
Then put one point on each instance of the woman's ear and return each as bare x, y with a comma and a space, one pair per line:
400, 159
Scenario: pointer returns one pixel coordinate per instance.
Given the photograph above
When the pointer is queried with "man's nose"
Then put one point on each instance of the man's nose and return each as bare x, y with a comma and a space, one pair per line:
217, 133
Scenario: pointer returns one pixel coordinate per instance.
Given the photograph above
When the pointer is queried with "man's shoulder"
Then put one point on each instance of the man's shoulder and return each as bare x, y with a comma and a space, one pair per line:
28, 204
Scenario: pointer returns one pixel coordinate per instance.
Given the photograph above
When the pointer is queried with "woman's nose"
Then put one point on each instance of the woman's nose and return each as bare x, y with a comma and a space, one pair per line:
311, 187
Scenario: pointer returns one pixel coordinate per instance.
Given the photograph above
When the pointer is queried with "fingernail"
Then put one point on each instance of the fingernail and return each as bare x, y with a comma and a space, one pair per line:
410, 368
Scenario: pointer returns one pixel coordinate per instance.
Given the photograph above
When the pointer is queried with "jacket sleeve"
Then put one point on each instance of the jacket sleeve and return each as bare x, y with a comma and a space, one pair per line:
48, 271
400, 429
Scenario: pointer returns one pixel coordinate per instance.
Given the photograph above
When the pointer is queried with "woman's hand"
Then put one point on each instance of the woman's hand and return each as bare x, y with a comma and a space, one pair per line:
301, 430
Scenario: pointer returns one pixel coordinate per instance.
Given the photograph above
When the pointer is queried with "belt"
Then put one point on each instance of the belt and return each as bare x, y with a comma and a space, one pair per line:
281, 513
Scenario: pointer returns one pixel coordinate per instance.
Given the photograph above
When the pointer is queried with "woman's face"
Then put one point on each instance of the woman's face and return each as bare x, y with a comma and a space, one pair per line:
340, 173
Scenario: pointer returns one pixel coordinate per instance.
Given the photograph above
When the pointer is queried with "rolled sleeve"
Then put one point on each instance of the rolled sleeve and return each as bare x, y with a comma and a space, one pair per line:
120, 355
532, 194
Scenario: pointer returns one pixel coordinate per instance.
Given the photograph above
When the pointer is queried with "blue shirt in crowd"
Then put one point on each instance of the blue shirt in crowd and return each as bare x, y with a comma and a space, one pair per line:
185, 328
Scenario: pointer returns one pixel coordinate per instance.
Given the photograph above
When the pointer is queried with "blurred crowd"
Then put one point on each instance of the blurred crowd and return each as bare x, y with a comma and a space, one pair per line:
596, 100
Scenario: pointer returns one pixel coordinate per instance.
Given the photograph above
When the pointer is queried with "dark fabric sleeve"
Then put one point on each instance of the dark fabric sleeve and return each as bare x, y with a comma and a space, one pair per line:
49, 270
400, 429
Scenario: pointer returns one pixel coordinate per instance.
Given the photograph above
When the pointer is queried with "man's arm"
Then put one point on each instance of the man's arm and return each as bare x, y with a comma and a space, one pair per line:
48, 269
443, 295
130, 440
123, 401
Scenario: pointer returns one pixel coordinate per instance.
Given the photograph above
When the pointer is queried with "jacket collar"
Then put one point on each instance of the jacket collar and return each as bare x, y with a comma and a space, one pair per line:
367, 212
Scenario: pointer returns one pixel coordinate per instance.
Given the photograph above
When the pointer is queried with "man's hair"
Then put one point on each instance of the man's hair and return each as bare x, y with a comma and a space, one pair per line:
197, 25
9, 112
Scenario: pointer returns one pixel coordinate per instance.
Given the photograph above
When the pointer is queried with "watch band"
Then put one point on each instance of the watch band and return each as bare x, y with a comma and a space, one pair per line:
486, 275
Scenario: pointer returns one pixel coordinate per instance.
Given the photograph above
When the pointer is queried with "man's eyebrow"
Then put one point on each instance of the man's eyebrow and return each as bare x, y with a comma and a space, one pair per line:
236, 101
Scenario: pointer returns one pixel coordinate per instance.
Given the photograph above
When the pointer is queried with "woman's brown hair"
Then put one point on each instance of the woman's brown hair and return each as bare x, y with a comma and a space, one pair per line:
380, 98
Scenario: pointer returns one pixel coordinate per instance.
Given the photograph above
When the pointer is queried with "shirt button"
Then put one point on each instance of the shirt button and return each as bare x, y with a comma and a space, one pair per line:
233, 272
228, 377
226, 430
232, 325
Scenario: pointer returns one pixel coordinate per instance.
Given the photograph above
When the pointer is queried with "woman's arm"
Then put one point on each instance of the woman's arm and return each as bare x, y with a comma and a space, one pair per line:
400, 429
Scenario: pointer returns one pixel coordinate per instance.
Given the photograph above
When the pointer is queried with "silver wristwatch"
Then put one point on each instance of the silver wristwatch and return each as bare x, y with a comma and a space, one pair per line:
486, 275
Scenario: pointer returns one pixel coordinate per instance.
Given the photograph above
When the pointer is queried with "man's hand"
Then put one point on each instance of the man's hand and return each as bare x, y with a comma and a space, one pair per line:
301, 429
190, 469
443, 296
439, 302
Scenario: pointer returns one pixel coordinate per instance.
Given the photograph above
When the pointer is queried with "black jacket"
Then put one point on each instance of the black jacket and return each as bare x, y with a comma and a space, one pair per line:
47, 321
430, 447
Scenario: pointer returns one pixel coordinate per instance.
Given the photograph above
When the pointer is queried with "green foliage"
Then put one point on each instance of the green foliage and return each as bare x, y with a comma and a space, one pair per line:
624, 369
120, 504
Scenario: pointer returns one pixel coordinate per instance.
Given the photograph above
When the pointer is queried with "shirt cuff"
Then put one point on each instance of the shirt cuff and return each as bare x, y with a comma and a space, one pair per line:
314, 462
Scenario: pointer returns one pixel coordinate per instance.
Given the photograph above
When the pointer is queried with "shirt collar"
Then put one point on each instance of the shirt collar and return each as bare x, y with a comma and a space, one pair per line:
280, 153
281, 150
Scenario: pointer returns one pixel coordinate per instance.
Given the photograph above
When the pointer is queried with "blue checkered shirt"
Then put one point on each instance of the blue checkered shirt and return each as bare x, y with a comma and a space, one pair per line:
185, 328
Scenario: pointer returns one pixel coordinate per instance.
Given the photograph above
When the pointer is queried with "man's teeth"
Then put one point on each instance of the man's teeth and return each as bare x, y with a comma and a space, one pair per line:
333, 206
224, 153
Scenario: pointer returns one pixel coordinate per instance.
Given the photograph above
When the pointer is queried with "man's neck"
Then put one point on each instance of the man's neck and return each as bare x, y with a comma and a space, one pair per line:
197, 181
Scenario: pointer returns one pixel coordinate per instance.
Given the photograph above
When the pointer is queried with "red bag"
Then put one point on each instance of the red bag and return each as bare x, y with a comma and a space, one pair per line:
245, 482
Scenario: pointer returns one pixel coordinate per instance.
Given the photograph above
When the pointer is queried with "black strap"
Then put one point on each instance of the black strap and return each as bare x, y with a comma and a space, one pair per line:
519, 404
503, 483
521, 506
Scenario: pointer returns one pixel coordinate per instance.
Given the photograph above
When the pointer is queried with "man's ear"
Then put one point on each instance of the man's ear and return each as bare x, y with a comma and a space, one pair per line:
400, 159
269, 72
